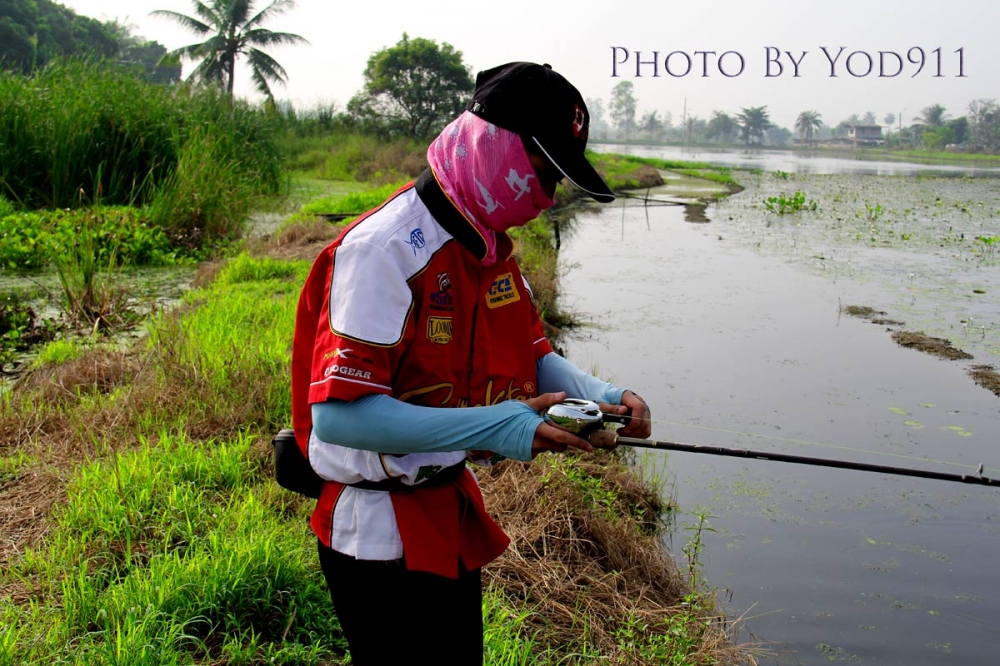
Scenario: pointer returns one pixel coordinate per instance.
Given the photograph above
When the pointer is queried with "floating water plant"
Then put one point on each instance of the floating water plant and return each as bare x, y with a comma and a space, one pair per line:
987, 246
873, 213
783, 205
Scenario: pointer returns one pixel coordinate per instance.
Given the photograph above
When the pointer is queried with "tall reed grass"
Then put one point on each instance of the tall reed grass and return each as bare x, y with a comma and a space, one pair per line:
81, 132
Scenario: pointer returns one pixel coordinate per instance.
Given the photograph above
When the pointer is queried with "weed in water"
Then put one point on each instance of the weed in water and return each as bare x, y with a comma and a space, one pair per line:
873, 213
987, 246
89, 273
694, 546
785, 205
21, 328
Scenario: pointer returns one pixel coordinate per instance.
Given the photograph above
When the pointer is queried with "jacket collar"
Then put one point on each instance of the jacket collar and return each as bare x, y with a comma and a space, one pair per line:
454, 222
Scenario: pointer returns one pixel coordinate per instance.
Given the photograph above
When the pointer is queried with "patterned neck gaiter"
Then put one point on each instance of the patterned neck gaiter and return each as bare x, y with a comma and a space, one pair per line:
485, 171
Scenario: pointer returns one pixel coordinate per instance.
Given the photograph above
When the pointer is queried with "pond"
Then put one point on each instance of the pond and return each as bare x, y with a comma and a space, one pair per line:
735, 331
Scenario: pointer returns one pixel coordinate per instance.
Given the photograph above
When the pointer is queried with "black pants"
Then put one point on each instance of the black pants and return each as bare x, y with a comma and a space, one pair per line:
391, 615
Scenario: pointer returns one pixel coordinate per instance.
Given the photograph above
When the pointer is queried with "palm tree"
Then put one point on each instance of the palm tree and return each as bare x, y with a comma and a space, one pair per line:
651, 123
933, 115
233, 29
808, 123
753, 123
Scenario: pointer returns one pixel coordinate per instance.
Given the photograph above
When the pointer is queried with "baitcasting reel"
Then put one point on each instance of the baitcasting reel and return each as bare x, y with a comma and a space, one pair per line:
580, 417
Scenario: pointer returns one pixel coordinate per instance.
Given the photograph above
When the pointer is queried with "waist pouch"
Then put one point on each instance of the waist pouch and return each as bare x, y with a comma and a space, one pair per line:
293, 472
291, 469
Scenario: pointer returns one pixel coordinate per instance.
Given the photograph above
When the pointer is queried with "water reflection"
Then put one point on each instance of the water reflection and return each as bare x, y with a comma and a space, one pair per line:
797, 162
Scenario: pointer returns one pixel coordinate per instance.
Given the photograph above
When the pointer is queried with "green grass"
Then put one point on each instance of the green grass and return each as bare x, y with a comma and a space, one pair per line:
171, 553
351, 156
352, 202
183, 549
619, 169
58, 351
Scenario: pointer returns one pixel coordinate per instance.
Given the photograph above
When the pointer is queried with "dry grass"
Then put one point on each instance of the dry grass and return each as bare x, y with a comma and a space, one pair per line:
25, 504
587, 568
298, 241
99, 371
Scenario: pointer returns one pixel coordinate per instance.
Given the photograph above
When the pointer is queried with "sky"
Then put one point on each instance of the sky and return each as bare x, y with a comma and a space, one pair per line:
859, 56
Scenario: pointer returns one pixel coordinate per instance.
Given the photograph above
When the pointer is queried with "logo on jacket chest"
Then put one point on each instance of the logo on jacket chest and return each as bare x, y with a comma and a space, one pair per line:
502, 292
441, 299
439, 330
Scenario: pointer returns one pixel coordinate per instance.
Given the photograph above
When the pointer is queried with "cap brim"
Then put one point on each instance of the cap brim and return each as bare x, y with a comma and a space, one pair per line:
574, 165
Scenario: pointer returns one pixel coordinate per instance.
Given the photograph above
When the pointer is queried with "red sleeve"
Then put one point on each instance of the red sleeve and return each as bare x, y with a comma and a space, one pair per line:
303, 341
327, 364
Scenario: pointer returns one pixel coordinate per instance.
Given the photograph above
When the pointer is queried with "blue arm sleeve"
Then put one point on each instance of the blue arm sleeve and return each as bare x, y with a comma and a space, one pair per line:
382, 423
557, 374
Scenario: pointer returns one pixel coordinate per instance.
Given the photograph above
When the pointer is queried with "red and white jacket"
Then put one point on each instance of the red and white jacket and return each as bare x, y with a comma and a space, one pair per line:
401, 304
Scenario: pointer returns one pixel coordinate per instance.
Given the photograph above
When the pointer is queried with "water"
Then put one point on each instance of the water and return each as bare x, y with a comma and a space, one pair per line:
797, 161
735, 344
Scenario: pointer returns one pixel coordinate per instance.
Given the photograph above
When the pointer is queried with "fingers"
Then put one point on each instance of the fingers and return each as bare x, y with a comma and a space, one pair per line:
546, 400
639, 425
608, 408
556, 440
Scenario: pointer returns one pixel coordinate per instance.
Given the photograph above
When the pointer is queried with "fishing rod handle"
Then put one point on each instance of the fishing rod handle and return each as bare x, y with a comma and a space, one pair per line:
604, 439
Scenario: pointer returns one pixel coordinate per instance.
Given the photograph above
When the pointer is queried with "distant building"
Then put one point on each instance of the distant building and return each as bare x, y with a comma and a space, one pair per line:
865, 135
858, 136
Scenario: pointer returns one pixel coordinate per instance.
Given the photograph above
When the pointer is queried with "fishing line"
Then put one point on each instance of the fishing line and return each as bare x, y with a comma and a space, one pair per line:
839, 447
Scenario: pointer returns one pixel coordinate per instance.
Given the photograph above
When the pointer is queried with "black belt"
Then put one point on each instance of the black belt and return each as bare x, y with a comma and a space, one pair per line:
445, 476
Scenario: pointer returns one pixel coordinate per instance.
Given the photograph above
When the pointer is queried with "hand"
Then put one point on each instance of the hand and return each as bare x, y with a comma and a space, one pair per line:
547, 436
639, 425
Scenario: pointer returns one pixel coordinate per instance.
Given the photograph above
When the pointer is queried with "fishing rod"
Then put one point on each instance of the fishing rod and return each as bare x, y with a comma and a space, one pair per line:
584, 418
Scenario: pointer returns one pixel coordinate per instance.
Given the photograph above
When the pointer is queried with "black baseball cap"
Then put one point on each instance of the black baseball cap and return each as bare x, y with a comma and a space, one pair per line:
543, 107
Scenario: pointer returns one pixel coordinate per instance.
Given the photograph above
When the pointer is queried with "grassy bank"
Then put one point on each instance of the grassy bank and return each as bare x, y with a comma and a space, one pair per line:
143, 527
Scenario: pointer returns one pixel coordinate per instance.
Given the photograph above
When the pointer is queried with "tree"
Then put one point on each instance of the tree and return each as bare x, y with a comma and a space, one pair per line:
33, 32
960, 129
778, 136
936, 138
412, 89
623, 106
598, 126
144, 56
807, 124
721, 127
890, 119
933, 116
869, 118
984, 125
650, 123
753, 123
234, 30
694, 128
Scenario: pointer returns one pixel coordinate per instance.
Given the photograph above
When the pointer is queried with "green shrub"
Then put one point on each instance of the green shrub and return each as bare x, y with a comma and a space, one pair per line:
29, 241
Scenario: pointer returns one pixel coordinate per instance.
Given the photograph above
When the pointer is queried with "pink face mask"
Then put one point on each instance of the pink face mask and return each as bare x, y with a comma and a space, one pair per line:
485, 171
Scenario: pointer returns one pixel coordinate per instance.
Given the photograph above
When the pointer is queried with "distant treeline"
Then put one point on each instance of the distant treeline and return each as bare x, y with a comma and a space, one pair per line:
33, 33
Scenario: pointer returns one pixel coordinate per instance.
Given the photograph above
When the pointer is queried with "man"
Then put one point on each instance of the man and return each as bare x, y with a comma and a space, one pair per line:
418, 308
